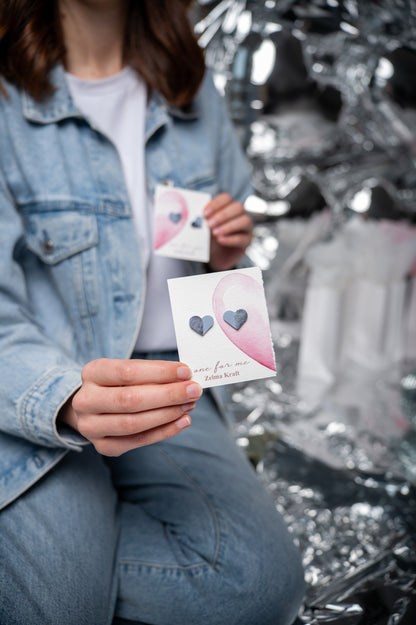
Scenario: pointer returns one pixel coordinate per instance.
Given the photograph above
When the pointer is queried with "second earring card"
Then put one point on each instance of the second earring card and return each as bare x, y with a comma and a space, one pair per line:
180, 230
222, 326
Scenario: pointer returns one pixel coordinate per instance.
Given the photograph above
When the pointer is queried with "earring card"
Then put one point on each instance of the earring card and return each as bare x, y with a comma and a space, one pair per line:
180, 229
222, 326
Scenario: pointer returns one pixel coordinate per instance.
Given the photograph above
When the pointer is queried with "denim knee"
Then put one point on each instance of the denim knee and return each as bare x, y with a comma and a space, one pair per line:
256, 579
264, 581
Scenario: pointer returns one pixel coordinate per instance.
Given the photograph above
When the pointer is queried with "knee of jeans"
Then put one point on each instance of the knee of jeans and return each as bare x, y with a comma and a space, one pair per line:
266, 585
249, 584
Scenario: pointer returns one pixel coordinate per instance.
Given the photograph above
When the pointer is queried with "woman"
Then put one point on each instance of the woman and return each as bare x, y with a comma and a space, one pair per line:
107, 516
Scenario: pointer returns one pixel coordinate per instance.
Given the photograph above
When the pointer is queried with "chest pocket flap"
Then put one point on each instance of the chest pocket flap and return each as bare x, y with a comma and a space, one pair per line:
57, 235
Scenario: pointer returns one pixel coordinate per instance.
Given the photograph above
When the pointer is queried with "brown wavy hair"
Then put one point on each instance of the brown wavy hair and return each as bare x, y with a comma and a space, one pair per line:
159, 42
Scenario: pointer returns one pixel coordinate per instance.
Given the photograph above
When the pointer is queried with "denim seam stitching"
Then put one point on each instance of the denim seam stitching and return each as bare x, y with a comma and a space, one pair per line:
165, 567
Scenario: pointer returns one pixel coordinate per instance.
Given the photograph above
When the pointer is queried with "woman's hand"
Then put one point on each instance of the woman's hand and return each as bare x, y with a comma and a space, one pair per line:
124, 404
231, 229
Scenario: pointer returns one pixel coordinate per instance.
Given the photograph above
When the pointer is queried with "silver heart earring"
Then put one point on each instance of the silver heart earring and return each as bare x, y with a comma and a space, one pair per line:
201, 325
197, 223
235, 319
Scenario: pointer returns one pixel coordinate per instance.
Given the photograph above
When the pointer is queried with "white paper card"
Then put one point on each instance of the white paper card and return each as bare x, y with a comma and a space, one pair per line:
180, 229
222, 326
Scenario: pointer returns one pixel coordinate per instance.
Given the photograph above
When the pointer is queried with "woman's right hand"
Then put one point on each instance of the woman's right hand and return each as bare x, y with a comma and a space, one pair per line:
124, 404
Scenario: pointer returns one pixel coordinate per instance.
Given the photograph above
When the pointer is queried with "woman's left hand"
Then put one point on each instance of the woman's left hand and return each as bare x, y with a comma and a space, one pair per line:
231, 231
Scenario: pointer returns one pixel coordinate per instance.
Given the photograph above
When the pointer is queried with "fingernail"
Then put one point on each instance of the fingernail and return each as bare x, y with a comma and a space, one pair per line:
183, 373
183, 422
188, 407
207, 211
194, 391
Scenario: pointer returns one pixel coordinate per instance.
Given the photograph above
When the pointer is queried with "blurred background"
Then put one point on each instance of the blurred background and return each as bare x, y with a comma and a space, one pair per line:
323, 97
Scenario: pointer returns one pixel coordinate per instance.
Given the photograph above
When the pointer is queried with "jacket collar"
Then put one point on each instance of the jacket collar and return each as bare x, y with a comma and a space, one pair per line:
60, 105
56, 107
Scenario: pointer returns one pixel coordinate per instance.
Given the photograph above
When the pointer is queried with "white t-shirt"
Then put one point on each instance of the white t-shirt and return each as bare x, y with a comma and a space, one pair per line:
117, 107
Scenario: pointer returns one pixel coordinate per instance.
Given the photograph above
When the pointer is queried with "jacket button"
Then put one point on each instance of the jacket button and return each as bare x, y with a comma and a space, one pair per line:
47, 246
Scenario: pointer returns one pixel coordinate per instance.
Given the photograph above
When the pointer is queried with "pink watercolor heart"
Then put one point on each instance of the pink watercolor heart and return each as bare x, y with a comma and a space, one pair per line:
239, 291
170, 203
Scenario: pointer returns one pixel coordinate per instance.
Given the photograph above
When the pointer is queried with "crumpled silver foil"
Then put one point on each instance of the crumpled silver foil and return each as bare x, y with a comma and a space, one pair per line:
357, 535
319, 91
323, 97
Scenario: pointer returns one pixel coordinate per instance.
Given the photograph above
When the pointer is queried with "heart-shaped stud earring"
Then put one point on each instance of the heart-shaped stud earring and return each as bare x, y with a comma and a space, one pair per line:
201, 325
197, 223
171, 216
235, 319
175, 217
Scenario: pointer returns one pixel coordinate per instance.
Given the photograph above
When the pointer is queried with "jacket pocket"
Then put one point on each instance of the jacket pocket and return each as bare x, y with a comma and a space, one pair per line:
65, 244
205, 182
56, 236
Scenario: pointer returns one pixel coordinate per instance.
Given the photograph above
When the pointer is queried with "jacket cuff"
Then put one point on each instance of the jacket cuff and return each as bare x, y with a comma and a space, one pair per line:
69, 437
38, 409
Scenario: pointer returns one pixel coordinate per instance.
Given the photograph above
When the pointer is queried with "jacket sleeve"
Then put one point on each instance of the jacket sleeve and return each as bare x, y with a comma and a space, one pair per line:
233, 169
36, 376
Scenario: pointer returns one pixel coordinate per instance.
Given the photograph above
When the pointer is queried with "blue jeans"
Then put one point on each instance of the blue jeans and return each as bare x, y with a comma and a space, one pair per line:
176, 533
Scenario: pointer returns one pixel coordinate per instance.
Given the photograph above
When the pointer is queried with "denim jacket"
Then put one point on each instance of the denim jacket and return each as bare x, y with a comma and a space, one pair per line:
72, 281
